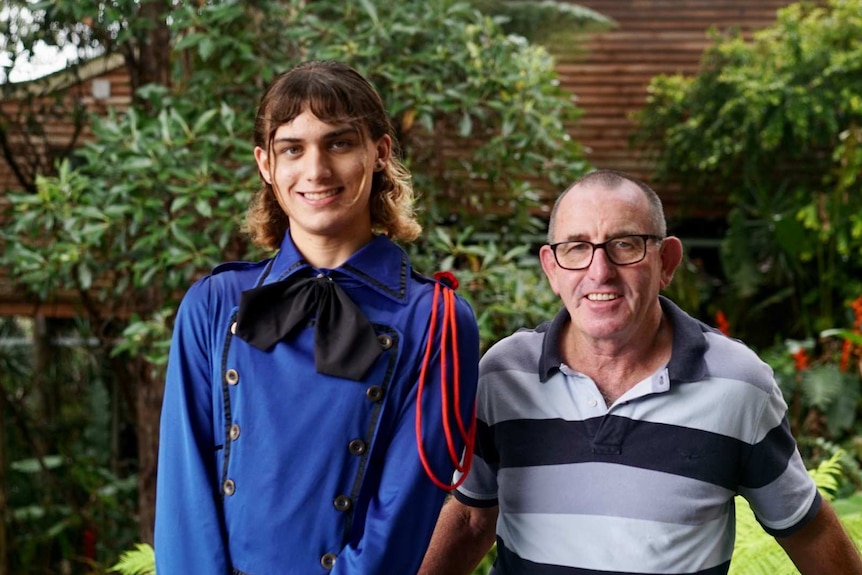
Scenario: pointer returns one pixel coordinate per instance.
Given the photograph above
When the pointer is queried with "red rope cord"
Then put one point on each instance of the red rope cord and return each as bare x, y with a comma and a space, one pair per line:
448, 328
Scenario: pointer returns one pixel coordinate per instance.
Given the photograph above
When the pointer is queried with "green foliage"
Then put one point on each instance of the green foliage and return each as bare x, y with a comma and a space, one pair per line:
138, 561
507, 289
772, 126
157, 197
543, 21
757, 553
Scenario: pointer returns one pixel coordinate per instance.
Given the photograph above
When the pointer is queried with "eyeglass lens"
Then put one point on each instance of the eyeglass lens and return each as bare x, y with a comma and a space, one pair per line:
620, 251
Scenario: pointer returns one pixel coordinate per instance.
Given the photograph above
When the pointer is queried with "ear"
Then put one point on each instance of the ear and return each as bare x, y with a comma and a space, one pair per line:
671, 256
262, 159
550, 267
384, 149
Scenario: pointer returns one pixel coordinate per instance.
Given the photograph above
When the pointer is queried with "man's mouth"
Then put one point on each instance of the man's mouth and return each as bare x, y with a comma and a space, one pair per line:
602, 296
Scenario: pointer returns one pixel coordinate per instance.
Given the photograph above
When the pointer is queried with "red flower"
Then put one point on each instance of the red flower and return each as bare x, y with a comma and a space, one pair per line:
801, 357
722, 323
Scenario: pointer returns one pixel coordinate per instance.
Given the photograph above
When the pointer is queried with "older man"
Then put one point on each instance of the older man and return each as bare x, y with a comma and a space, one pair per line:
613, 439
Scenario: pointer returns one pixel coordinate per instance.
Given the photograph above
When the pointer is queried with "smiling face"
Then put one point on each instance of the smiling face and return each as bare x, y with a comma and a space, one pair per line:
321, 174
610, 304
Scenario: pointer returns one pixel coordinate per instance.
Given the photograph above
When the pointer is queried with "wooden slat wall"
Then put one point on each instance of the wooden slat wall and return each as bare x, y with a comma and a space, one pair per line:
12, 300
609, 73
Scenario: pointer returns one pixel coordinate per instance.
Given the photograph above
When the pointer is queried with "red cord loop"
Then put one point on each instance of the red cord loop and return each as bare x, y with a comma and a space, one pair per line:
448, 329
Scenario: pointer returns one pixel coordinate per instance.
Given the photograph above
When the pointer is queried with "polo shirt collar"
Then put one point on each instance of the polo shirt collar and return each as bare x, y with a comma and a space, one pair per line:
687, 353
380, 265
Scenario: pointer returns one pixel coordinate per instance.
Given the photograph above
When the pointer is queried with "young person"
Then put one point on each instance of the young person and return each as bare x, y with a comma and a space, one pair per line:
312, 398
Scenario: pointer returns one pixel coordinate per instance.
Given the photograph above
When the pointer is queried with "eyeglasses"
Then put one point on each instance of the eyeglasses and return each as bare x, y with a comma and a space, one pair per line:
622, 251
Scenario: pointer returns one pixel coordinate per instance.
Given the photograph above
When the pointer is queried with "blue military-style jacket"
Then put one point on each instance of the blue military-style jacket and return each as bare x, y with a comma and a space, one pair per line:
267, 467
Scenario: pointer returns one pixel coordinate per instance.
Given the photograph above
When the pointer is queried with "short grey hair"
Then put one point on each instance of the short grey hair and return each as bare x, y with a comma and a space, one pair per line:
612, 180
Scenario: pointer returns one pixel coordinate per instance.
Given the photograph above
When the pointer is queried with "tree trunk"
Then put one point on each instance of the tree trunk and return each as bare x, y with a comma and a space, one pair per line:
154, 50
148, 387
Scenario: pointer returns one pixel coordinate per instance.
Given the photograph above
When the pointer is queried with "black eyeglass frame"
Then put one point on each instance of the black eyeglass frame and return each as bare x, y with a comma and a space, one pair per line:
644, 237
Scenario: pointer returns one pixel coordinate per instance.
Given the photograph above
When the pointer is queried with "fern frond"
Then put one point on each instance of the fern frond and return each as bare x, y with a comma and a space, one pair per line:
138, 561
827, 476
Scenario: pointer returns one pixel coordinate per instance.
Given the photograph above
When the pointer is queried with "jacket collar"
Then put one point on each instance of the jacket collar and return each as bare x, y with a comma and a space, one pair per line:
380, 265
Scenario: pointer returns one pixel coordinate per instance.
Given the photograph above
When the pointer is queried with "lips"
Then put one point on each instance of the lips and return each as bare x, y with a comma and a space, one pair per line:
320, 195
602, 296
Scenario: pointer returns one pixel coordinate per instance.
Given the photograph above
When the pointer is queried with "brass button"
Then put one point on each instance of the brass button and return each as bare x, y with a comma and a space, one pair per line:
356, 447
374, 393
328, 561
342, 503
233, 328
231, 376
229, 487
385, 340
234, 432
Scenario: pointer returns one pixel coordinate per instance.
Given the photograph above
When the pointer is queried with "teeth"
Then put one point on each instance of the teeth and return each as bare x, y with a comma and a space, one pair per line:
601, 296
320, 195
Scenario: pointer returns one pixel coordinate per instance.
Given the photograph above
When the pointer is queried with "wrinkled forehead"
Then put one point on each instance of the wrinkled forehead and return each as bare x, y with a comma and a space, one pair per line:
597, 212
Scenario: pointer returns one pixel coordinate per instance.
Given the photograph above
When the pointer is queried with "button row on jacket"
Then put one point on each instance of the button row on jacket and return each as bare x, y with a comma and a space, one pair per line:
343, 503
374, 393
385, 341
328, 561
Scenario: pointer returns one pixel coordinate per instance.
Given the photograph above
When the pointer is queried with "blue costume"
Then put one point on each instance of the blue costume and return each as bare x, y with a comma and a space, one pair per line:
268, 467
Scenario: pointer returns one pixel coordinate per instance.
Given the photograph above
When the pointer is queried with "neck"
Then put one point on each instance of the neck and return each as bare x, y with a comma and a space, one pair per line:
617, 366
326, 253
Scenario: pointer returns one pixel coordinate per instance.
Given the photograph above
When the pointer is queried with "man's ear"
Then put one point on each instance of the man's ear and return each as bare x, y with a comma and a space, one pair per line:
262, 159
549, 266
671, 257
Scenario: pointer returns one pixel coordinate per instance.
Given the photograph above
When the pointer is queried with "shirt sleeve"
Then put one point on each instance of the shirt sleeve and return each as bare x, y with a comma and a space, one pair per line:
479, 489
189, 532
775, 482
402, 516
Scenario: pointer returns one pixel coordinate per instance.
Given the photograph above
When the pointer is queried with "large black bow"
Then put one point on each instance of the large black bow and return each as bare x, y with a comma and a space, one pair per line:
345, 344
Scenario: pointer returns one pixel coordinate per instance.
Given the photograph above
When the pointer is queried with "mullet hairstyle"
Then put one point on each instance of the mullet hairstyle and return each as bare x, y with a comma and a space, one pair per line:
336, 94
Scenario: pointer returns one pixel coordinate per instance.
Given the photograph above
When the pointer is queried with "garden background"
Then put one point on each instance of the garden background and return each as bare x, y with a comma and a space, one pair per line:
765, 138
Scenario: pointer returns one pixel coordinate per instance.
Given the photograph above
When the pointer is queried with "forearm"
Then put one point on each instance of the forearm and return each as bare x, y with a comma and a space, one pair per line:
823, 547
461, 539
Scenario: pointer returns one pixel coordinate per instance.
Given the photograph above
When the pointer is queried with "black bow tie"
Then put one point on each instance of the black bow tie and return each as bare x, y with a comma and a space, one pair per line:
345, 344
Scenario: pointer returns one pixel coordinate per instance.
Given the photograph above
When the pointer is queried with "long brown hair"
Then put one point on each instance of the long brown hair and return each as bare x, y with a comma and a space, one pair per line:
335, 93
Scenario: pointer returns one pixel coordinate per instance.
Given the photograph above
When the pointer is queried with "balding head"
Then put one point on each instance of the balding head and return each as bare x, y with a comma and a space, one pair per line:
612, 180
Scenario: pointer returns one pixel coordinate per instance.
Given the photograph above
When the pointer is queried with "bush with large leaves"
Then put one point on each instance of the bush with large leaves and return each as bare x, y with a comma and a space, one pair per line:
773, 127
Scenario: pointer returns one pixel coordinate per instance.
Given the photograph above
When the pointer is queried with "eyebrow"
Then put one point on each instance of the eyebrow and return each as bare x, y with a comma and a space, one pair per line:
585, 237
337, 133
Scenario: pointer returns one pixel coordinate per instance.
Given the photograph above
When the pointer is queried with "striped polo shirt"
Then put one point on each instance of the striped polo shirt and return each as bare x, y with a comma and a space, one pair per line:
646, 485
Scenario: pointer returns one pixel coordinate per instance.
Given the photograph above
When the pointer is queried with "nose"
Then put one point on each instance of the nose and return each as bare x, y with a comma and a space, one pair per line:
316, 165
601, 266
